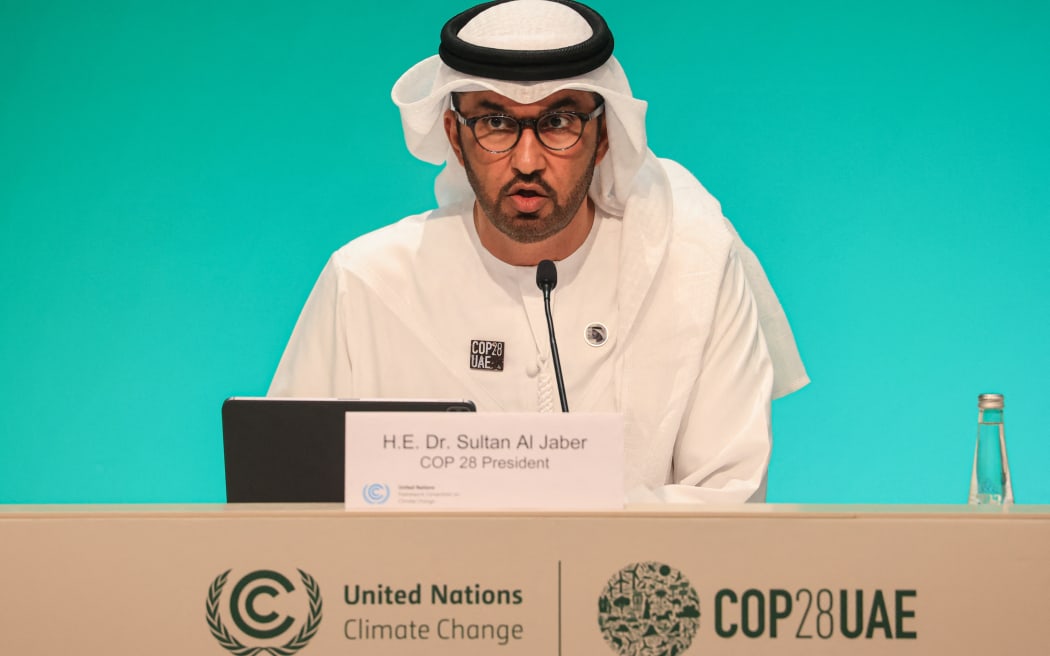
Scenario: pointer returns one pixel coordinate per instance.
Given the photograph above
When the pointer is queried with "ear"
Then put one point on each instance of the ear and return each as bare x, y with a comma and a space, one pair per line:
603, 141
452, 132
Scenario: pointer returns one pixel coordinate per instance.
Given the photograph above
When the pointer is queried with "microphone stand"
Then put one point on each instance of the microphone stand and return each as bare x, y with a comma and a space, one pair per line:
546, 280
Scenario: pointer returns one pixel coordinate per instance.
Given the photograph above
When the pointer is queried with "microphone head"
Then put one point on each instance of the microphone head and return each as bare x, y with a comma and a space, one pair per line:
546, 275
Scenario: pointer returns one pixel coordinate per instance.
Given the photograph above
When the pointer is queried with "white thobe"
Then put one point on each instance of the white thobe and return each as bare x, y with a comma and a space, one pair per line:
395, 312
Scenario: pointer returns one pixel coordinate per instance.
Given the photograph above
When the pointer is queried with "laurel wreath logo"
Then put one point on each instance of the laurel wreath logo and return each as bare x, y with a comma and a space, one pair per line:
376, 493
235, 646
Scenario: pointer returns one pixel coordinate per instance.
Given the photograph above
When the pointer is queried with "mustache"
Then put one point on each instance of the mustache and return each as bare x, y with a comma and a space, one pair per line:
533, 179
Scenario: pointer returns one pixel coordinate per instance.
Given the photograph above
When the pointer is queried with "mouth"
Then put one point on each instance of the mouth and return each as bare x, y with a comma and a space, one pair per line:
527, 199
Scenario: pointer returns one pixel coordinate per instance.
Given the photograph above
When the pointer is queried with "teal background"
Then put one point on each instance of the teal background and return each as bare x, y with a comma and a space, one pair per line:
174, 175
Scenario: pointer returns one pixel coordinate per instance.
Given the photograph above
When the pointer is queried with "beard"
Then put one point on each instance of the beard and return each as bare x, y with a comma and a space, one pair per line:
532, 227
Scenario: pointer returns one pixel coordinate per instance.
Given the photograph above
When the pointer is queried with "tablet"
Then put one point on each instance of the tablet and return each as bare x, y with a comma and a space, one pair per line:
294, 450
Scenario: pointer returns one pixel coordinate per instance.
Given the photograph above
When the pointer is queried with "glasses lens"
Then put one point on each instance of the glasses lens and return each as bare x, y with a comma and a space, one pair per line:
559, 130
496, 133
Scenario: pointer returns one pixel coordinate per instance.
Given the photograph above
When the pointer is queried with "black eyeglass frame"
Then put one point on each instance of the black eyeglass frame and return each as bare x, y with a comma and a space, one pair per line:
523, 123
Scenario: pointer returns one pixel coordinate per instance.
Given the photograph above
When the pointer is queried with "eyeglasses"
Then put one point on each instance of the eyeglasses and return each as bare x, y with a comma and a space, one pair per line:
498, 133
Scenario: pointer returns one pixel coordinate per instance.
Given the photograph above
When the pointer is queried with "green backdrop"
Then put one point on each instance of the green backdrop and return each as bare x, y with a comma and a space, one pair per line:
174, 175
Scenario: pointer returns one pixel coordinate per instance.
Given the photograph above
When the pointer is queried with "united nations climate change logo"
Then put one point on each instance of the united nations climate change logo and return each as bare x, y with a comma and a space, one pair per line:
264, 624
375, 493
649, 609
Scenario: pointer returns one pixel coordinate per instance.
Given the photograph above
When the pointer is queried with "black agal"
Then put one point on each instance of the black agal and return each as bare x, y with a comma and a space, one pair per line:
526, 65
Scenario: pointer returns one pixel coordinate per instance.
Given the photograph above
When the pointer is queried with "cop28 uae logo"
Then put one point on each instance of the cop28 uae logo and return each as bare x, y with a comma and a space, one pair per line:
649, 609
266, 626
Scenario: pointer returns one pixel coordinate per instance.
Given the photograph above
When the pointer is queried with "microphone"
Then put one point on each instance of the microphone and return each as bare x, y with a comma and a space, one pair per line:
546, 280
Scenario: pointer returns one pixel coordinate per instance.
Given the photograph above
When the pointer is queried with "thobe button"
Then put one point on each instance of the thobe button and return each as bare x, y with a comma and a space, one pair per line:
535, 368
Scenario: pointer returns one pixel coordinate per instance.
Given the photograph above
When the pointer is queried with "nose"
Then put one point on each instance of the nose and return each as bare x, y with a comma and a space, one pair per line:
529, 155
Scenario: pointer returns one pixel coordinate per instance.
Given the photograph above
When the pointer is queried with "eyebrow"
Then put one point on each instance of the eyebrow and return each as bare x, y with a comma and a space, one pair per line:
566, 102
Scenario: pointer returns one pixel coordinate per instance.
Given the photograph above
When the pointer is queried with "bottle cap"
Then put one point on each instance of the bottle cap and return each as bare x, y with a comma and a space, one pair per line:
990, 401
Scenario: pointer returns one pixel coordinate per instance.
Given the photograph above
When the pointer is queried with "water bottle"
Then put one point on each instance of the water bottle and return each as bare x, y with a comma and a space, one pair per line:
990, 481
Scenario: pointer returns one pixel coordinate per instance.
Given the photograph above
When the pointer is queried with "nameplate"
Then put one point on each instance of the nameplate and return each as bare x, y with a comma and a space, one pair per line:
423, 461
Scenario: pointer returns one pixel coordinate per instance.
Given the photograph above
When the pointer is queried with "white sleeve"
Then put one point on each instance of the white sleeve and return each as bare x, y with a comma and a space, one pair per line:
316, 362
723, 445
789, 373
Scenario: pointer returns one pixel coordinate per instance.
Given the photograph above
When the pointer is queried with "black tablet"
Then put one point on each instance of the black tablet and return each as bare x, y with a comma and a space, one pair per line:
293, 450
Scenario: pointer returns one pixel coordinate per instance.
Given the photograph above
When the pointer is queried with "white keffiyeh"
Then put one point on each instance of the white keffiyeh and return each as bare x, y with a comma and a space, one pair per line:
423, 94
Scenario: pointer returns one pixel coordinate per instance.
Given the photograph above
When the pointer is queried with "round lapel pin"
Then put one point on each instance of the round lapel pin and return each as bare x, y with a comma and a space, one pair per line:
596, 334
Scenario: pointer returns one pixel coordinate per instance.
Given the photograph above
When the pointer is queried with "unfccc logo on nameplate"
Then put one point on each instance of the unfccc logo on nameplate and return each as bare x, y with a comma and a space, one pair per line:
376, 493
267, 612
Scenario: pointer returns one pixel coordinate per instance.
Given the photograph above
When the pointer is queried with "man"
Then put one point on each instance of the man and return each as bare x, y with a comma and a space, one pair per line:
547, 159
